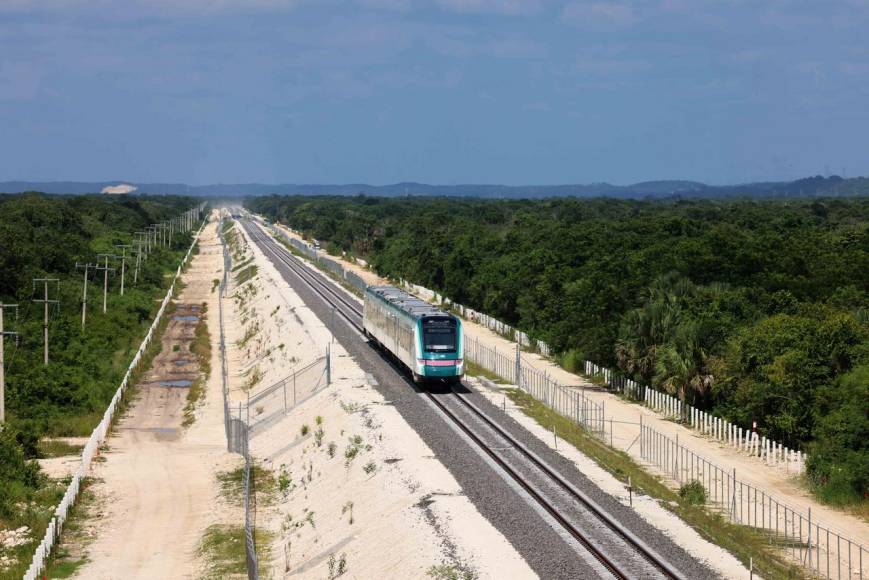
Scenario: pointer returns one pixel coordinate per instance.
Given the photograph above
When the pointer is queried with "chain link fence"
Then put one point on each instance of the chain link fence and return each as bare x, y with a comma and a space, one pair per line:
772, 453
826, 552
566, 401
329, 265
270, 404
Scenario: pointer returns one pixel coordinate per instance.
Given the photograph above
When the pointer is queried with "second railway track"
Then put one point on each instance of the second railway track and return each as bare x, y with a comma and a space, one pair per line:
621, 553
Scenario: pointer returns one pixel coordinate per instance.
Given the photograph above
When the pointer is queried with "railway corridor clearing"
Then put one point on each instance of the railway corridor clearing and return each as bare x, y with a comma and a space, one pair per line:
360, 485
625, 428
701, 549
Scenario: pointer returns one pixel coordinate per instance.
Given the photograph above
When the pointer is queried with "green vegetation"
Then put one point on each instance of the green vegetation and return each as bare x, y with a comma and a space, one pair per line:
752, 310
223, 549
232, 484
44, 237
68, 556
54, 448
693, 493
245, 274
743, 542
201, 348
451, 572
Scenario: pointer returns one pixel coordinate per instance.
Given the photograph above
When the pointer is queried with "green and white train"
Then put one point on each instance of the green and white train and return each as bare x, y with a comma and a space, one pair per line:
426, 340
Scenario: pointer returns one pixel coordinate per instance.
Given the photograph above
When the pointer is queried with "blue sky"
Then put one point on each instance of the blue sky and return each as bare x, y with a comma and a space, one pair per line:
439, 91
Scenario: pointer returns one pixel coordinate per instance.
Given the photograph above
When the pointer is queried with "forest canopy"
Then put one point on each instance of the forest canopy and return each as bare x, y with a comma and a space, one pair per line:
757, 310
45, 236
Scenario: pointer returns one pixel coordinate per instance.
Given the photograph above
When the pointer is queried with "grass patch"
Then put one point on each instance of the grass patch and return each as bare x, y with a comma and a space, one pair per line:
476, 370
742, 541
201, 348
53, 448
223, 549
693, 493
242, 264
246, 274
68, 556
253, 380
450, 572
249, 333
214, 284
232, 484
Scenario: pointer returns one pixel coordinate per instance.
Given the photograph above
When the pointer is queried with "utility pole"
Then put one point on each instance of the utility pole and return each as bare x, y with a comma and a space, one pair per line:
105, 268
138, 243
45, 302
123, 263
84, 292
4, 333
153, 228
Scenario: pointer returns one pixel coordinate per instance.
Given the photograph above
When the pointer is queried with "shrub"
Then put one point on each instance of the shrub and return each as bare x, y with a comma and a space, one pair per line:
693, 493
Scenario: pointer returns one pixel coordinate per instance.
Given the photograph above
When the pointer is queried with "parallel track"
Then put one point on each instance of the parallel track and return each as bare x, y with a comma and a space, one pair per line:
353, 314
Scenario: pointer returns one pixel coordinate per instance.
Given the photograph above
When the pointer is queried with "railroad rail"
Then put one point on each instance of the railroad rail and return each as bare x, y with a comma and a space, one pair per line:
352, 313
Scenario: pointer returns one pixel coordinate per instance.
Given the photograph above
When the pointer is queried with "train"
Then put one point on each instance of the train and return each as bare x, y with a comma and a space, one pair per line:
424, 339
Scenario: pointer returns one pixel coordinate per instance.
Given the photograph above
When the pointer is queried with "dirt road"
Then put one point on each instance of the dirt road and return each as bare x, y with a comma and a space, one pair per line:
156, 482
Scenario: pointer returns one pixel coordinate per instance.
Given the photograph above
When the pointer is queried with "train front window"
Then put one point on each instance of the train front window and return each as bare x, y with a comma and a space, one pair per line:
439, 335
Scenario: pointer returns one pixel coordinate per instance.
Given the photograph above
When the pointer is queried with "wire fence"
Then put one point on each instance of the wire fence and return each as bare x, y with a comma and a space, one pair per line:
244, 420
827, 552
270, 404
772, 453
566, 401
328, 264
98, 436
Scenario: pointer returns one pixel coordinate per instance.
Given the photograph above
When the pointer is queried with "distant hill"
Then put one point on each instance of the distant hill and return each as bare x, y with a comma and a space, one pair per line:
816, 186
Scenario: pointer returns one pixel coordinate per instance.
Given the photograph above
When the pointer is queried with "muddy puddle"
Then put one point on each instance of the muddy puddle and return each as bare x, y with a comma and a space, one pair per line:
168, 381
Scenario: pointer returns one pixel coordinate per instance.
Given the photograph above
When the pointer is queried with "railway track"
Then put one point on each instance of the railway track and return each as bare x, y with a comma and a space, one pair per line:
616, 548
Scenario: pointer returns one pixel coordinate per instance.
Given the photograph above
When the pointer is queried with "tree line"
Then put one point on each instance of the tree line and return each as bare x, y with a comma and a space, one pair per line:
755, 310
44, 236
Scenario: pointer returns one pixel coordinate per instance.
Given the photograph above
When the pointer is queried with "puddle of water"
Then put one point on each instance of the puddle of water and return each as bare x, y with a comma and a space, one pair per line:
180, 383
186, 318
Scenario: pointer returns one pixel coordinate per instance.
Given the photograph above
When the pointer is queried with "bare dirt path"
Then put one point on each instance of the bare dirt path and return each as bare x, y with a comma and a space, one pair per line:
156, 482
625, 429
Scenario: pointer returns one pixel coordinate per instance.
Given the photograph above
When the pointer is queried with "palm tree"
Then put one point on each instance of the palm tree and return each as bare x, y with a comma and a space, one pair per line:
644, 330
681, 363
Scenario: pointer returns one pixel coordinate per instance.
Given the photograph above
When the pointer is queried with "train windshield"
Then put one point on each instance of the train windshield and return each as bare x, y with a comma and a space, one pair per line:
439, 334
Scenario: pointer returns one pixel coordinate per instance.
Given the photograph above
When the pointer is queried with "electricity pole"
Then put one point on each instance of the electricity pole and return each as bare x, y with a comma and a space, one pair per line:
138, 250
123, 263
3, 362
45, 302
153, 228
84, 293
105, 268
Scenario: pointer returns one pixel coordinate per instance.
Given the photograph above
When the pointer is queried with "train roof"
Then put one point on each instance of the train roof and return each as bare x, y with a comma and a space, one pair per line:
407, 302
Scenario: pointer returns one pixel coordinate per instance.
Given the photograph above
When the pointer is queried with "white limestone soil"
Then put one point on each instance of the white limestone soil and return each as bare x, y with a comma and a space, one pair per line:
625, 429
156, 486
389, 509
